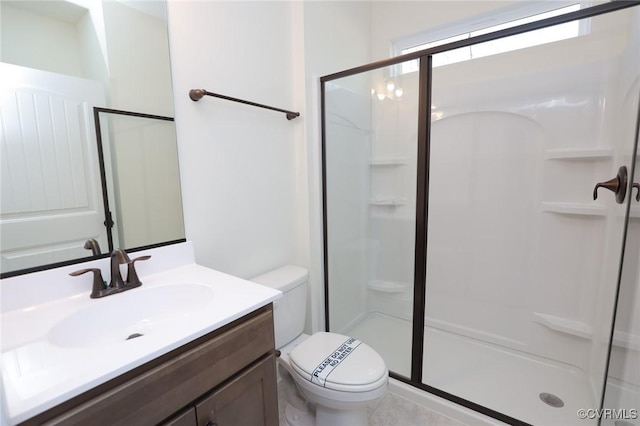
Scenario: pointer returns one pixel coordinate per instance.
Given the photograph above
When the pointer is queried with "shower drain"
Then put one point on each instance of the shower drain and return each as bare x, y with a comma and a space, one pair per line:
551, 399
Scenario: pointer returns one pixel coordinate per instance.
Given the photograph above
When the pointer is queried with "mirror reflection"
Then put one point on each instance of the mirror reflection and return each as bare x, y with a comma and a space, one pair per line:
139, 158
58, 61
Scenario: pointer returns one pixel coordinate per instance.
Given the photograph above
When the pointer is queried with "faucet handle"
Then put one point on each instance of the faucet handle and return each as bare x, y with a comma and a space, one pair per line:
100, 288
132, 275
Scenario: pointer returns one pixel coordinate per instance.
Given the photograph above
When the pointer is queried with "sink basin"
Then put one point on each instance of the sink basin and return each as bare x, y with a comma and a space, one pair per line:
130, 315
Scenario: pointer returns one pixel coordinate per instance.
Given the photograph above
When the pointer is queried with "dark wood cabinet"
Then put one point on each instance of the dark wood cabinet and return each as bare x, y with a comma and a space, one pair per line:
247, 400
186, 417
228, 374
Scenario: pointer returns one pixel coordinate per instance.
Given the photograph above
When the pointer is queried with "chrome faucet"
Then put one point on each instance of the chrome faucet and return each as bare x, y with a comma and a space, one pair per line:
117, 284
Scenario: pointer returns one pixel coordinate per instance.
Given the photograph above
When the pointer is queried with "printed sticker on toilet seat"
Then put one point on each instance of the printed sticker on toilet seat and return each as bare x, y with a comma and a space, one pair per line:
320, 373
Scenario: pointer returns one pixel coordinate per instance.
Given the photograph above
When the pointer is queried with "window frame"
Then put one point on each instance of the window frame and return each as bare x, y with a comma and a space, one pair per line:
514, 12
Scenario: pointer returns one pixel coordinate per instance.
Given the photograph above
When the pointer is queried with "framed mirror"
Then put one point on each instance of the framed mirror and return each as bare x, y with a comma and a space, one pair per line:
87, 164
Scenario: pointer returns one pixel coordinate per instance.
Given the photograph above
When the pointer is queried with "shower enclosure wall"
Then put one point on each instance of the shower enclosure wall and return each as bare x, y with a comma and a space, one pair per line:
468, 249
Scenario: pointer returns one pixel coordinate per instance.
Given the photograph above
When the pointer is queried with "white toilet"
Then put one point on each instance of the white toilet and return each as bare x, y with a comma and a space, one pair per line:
337, 374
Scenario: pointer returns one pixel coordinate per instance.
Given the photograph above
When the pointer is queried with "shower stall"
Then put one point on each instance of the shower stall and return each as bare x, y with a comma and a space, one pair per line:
482, 218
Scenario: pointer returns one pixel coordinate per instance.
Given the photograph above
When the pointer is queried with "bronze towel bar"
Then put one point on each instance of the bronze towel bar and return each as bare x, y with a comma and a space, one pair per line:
197, 94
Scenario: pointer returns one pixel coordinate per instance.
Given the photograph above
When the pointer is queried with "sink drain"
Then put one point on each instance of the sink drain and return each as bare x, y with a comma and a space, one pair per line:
551, 399
134, 335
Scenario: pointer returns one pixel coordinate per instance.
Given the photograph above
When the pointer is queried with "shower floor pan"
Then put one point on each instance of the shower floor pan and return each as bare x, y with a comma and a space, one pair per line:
503, 380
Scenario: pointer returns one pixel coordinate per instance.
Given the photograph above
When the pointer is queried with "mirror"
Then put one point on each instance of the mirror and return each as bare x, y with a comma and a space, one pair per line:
139, 164
89, 155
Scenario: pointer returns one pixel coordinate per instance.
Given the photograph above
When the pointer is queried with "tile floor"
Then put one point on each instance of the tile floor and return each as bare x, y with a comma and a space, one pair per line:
391, 411
396, 411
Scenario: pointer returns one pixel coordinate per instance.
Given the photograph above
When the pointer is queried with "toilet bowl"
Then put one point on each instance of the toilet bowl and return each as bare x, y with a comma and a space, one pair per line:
339, 375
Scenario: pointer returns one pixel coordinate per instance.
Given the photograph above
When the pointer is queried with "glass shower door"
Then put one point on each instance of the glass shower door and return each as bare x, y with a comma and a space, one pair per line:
622, 387
370, 174
522, 262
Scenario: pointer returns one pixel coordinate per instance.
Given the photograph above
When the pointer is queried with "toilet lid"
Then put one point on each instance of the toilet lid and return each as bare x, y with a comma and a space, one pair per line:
339, 362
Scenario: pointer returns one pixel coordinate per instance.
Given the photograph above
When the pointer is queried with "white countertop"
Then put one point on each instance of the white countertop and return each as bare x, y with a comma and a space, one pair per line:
39, 373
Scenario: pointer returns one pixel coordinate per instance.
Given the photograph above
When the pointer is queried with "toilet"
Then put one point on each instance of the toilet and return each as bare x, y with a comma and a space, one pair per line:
337, 375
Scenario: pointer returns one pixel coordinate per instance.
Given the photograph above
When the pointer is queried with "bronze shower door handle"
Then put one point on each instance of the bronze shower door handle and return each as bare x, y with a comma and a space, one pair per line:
636, 186
617, 185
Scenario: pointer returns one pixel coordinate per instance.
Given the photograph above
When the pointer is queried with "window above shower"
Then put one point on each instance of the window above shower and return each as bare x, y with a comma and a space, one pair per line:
511, 16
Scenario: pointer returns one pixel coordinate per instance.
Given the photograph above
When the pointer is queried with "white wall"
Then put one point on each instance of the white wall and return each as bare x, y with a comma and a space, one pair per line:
38, 41
237, 163
250, 178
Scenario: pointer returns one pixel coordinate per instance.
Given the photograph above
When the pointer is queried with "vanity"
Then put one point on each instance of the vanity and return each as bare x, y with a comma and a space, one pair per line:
191, 346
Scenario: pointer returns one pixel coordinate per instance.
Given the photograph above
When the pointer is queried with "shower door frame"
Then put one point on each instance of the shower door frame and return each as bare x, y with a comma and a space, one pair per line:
422, 194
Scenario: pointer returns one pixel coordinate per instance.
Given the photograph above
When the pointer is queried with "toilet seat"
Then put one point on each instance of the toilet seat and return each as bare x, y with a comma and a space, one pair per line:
339, 362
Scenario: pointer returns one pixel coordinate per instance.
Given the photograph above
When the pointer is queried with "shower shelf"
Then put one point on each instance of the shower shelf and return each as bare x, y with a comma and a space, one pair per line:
626, 340
574, 208
564, 325
387, 286
390, 202
391, 161
579, 154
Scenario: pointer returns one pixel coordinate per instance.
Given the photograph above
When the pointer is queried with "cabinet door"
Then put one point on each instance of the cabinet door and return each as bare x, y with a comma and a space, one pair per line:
249, 399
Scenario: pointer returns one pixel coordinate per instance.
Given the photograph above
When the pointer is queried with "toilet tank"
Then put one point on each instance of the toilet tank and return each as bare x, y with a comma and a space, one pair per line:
289, 311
